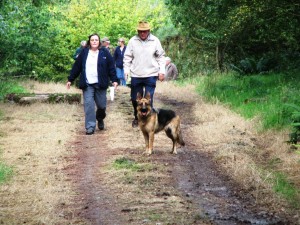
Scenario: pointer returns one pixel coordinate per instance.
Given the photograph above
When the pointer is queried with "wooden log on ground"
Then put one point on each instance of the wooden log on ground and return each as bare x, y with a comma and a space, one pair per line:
27, 99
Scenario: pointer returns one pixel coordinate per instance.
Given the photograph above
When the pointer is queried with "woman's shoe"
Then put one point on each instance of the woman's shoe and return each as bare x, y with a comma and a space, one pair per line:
89, 131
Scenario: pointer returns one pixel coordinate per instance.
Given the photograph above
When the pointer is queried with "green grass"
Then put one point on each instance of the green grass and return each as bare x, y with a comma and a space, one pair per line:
132, 165
264, 95
1, 115
126, 163
5, 172
9, 86
287, 190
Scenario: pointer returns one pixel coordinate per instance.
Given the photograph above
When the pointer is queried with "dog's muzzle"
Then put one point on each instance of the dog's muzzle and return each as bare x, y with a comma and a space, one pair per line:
144, 111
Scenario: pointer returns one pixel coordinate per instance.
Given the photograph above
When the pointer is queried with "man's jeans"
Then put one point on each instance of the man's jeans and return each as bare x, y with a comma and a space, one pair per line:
121, 76
142, 86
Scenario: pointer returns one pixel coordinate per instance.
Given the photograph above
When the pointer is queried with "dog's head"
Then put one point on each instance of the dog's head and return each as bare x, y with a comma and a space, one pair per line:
143, 104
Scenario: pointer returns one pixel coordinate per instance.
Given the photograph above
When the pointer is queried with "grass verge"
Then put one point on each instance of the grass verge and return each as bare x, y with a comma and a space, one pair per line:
264, 96
10, 86
267, 98
287, 190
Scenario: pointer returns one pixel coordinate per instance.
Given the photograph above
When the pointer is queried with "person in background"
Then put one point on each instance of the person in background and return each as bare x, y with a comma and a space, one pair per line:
144, 60
118, 57
79, 49
171, 70
96, 67
106, 43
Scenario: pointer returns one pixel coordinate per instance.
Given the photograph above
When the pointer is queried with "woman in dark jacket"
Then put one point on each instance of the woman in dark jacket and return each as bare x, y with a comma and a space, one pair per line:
96, 67
118, 57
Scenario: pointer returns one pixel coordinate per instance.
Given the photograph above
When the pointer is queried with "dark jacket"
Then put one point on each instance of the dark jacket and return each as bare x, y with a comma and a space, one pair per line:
77, 52
106, 69
118, 57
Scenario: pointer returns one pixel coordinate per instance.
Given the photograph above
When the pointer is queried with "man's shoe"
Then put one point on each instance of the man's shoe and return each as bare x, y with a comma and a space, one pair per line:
89, 131
101, 125
135, 123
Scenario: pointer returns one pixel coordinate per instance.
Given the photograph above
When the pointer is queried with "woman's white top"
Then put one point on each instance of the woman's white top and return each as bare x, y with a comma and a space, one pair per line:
91, 67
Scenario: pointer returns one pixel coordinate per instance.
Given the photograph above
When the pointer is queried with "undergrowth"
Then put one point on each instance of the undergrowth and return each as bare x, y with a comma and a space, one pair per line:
265, 96
9, 86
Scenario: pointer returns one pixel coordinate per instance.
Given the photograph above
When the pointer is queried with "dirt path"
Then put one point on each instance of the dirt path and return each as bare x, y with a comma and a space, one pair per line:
188, 188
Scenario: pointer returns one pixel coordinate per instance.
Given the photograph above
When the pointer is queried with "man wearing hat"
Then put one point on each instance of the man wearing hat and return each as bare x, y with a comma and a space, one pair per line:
106, 43
144, 60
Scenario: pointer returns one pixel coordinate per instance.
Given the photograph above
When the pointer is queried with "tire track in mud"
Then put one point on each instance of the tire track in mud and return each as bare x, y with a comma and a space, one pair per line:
92, 203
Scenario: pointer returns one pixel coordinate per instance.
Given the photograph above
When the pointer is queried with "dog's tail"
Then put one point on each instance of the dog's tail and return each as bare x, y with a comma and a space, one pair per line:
180, 140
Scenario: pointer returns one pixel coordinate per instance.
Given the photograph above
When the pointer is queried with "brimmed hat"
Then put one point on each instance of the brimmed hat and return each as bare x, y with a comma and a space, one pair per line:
143, 26
105, 39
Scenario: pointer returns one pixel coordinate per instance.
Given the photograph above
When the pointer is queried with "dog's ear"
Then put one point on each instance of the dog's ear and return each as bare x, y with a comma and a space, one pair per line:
148, 96
138, 96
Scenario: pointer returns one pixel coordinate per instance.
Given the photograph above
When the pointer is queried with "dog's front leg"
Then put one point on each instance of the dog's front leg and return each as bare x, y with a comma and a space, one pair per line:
151, 141
146, 136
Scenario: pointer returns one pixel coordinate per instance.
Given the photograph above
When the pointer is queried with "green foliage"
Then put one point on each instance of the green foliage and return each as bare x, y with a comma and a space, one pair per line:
191, 60
76, 20
168, 31
256, 95
41, 36
250, 66
237, 30
267, 63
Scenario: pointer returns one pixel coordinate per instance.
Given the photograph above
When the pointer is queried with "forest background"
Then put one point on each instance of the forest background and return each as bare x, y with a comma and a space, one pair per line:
39, 37
243, 53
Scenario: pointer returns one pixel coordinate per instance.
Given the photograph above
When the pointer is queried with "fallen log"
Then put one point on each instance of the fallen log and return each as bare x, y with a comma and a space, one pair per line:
26, 99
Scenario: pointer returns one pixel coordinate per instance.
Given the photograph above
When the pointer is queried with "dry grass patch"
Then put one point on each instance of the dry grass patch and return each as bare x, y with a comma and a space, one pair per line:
50, 87
33, 144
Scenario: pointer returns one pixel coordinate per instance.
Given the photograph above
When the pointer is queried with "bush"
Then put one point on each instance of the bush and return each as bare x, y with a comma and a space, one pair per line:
295, 134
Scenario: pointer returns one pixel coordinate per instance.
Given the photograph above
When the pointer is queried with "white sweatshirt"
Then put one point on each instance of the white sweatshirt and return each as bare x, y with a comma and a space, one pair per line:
144, 58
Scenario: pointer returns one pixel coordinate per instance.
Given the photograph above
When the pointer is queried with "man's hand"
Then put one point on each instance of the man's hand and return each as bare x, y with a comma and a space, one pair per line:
161, 76
115, 84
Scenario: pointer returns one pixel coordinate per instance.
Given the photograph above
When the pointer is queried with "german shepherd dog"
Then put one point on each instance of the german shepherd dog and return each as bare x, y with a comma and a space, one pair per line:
153, 121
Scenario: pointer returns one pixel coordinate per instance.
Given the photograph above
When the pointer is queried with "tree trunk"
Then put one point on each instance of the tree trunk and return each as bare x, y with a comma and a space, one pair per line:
46, 98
